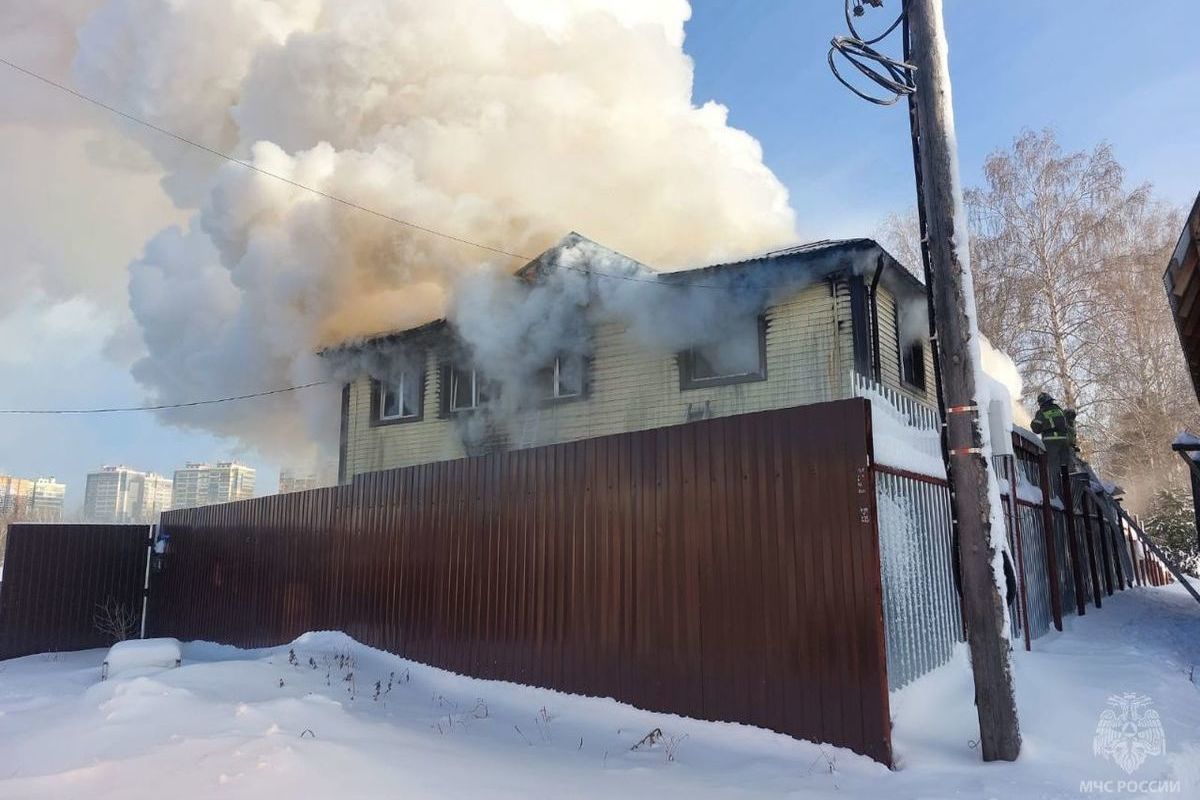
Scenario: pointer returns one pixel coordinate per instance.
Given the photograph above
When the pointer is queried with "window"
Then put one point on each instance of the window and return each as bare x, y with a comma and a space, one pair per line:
740, 356
912, 365
563, 379
463, 390
398, 399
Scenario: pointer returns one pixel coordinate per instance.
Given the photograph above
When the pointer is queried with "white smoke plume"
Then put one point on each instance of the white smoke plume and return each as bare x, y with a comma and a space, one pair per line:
508, 122
1000, 367
512, 330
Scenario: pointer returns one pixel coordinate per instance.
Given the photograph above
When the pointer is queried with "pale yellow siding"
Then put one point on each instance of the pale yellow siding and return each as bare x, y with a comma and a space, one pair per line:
889, 350
809, 349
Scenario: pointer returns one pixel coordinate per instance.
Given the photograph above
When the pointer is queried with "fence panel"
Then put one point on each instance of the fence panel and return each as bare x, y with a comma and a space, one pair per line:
56, 579
1066, 579
725, 569
1033, 556
920, 602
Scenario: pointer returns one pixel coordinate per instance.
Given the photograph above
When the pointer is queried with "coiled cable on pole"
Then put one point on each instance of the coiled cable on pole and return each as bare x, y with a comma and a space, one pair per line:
893, 75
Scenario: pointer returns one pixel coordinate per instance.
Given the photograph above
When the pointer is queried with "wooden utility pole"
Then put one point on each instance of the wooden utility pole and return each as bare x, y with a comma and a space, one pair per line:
972, 484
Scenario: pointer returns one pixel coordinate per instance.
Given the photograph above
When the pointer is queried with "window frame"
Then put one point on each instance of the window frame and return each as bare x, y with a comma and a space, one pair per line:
687, 363
556, 368
482, 391
377, 389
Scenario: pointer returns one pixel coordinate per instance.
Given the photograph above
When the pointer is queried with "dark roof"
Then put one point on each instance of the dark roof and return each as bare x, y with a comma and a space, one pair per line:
428, 330
1182, 282
807, 262
777, 269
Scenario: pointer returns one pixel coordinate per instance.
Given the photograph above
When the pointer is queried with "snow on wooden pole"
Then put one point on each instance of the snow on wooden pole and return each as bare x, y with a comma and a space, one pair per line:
975, 491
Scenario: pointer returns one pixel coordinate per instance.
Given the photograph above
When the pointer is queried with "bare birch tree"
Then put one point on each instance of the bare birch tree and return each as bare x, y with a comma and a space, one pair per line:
1068, 280
1144, 393
1044, 223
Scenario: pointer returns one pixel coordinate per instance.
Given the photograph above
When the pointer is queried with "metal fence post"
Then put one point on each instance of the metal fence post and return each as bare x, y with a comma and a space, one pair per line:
1051, 544
1015, 512
1105, 547
1091, 548
1068, 499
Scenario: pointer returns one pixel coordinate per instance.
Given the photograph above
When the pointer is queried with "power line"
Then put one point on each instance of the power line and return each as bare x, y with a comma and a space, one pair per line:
122, 409
250, 166
334, 198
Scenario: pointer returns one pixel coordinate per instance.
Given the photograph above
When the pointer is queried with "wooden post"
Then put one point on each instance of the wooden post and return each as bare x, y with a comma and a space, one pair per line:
1091, 547
1068, 499
1051, 541
972, 484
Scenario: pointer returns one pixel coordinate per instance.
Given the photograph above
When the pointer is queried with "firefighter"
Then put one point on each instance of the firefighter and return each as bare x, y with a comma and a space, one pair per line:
1057, 429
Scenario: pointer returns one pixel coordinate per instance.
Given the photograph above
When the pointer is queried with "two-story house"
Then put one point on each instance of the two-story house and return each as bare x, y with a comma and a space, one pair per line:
807, 324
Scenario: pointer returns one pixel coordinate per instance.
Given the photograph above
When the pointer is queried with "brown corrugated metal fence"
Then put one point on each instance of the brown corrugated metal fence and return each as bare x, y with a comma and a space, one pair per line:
726, 569
57, 576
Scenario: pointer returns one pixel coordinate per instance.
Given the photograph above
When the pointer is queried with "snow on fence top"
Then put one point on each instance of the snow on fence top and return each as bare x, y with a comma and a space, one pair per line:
905, 432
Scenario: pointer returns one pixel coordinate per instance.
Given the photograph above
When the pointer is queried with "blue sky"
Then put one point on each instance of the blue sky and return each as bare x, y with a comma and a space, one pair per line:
1109, 70
1105, 70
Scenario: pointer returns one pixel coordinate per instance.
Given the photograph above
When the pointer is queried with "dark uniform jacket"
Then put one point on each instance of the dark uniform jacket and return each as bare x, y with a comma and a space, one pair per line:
1052, 423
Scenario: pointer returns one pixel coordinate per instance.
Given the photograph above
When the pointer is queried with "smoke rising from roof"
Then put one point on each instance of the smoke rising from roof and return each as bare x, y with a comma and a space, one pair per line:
508, 122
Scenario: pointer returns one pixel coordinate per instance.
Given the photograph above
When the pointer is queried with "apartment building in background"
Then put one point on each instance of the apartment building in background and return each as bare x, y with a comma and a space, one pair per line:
117, 494
294, 479
47, 502
31, 499
202, 484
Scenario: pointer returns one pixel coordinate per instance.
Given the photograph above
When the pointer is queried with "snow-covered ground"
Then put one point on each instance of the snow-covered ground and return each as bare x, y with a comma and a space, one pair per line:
358, 723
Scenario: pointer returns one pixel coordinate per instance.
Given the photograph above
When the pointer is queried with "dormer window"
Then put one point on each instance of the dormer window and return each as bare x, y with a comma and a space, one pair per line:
740, 356
562, 379
399, 398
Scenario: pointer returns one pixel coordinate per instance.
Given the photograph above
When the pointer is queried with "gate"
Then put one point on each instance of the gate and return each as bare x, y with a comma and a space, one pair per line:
60, 581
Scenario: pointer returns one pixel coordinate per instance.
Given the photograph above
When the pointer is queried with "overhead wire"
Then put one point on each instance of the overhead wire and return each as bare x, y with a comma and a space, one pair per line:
251, 166
656, 279
161, 406
327, 195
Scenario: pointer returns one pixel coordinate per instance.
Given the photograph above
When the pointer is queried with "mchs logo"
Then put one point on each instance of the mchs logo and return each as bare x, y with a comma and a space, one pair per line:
1129, 732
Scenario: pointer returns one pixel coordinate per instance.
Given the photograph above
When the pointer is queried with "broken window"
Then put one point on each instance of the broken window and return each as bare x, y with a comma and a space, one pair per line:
562, 379
398, 399
912, 365
740, 355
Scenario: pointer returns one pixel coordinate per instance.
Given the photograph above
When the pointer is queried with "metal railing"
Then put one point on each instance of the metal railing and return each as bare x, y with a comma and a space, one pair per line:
918, 413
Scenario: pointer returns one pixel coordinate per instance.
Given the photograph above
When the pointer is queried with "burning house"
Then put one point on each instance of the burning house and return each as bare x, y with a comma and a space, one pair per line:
584, 342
